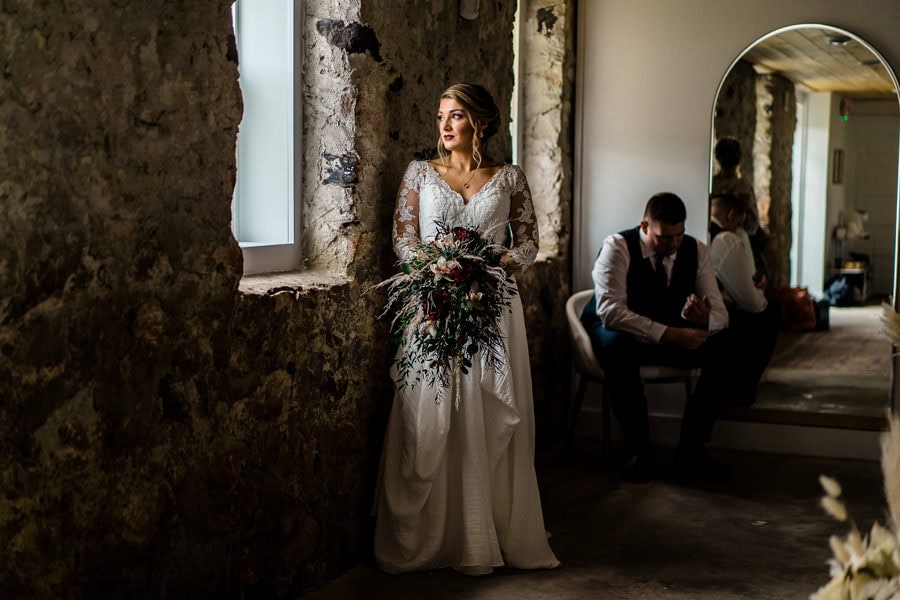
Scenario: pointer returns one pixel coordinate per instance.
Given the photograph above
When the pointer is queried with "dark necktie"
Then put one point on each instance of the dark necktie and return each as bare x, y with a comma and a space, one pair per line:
661, 272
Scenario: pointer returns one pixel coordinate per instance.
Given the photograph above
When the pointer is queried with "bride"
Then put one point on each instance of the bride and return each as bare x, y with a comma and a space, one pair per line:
457, 485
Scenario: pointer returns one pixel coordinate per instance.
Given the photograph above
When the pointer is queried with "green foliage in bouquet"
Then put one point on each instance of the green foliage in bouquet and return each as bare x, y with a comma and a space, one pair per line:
449, 298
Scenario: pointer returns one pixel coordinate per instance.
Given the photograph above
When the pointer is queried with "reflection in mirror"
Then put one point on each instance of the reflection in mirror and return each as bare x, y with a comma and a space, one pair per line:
814, 110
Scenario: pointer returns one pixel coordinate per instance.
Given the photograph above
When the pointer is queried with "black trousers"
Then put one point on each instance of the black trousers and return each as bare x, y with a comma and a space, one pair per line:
754, 335
622, 355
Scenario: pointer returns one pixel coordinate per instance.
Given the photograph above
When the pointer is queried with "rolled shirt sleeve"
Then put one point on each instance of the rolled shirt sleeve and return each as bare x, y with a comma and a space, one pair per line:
733, 264
706, 286
610, 288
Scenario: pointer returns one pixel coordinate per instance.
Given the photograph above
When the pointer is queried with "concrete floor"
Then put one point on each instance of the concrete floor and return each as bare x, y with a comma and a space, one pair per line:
824, 393
762, 535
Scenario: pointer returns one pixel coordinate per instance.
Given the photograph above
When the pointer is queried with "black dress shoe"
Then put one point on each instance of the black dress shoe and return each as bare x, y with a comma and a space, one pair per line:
696, 463
637, 470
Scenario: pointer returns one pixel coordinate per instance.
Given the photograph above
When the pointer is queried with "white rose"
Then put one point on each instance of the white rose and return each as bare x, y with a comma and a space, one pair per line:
431, 328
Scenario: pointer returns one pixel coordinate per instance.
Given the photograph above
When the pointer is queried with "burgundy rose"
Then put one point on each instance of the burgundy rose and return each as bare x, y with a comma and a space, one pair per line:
438, 305
461, 233
465, 272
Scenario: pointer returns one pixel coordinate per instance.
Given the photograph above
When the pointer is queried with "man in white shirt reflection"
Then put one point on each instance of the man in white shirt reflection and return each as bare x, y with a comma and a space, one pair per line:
754, 326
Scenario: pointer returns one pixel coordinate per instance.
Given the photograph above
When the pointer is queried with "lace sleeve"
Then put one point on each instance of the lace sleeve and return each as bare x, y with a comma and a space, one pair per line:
406, 215
523, 222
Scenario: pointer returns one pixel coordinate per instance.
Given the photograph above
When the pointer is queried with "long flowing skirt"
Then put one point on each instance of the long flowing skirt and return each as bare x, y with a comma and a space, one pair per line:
457, 485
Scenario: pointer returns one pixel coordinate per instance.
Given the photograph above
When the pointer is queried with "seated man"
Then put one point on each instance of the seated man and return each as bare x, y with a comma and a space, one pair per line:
754, 328
656, 302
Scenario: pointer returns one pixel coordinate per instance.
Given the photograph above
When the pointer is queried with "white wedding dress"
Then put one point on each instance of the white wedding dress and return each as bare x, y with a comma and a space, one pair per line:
457, 485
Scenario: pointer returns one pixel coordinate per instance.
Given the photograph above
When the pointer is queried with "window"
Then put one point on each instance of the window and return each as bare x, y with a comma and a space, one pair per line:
267, 192
517, 107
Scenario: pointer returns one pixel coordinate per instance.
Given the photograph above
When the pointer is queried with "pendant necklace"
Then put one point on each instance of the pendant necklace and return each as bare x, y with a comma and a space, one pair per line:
466, 183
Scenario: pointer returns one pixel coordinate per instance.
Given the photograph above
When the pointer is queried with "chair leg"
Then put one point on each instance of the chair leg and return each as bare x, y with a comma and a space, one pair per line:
576, 408
604, 406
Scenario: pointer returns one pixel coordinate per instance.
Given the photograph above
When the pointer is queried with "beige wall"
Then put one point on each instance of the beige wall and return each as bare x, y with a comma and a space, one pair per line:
648, 74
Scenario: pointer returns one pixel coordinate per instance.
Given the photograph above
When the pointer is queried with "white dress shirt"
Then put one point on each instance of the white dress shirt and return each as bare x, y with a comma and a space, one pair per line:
732, 259
610, 287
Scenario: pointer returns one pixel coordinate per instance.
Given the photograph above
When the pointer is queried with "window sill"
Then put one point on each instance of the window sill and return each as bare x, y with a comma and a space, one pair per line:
270, 284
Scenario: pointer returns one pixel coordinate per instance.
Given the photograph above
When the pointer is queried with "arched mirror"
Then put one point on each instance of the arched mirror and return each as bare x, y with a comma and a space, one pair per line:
815, 112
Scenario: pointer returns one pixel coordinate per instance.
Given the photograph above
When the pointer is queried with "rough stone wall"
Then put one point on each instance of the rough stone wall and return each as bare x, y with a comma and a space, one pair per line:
548, 68
736, 112
295, 472
331, 47
164, 433
776, 108
548, 57
118, 274
762, 149
782, 112
544, 289
760, 111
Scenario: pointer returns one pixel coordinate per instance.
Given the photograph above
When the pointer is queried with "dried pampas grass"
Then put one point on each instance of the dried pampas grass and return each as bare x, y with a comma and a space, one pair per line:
890, 440
866, 567
890, 467
891, 321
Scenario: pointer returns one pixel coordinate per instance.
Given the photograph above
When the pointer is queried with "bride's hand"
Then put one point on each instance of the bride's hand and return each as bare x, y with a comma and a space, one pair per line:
509, 264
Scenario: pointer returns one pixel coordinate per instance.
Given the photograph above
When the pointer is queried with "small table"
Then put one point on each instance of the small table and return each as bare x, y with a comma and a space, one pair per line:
858, 278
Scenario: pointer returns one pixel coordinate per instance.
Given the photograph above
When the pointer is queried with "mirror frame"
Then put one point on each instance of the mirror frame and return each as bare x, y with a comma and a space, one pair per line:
895, 297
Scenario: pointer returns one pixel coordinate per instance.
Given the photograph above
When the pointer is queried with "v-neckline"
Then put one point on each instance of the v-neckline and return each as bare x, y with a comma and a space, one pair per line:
461, 197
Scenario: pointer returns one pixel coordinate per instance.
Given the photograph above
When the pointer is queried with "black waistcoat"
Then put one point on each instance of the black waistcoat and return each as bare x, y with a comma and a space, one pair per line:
646, 296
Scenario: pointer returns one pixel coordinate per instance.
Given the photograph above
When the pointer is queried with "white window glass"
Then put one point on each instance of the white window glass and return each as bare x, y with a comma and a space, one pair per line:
517, 108
265, 194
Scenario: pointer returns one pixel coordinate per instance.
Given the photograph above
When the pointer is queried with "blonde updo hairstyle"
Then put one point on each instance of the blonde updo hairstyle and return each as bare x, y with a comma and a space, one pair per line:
482, 112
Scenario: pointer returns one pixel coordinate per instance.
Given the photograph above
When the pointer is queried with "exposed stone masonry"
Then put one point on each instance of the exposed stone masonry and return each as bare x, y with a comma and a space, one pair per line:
736, 112
165, 433
548, 56
782, 124
760, 111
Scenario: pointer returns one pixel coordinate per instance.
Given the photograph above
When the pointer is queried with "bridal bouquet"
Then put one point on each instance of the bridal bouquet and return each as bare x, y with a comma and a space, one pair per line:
449, 298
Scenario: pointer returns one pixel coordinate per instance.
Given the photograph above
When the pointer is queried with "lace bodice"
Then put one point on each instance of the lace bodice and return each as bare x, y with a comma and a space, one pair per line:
501, 209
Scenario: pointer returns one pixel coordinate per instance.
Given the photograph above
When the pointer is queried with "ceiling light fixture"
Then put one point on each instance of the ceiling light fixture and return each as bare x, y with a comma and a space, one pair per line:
838, 40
